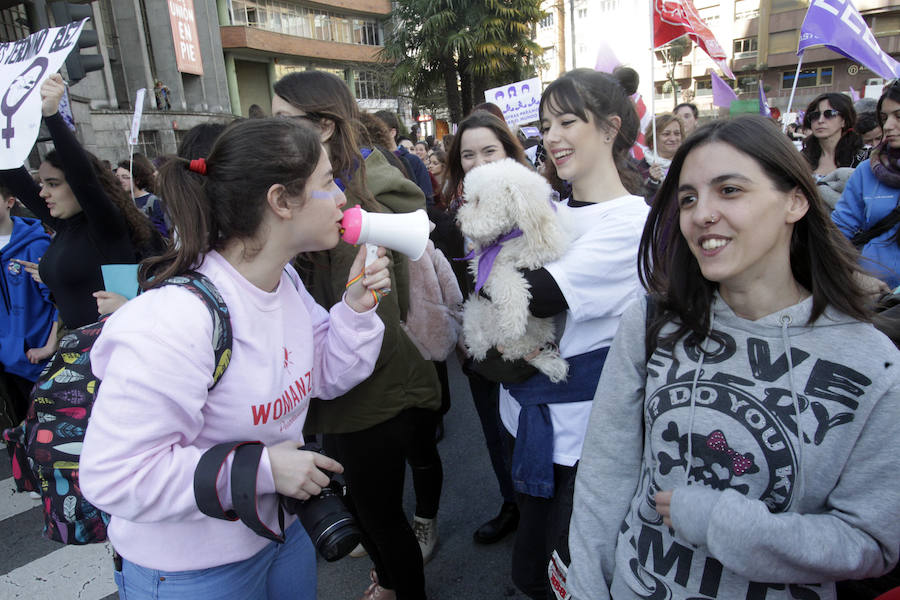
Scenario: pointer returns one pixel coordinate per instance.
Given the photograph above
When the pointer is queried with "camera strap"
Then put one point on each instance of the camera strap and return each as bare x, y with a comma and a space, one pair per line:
205, 477
244, 469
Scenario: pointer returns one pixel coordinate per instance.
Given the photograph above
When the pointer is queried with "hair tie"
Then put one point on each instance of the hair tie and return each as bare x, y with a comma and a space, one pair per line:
198, 166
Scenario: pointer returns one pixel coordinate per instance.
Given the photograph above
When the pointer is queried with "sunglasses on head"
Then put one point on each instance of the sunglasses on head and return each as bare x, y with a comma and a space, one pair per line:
828, 114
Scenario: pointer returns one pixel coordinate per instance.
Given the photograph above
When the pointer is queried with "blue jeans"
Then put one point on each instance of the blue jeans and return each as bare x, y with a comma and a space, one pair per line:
277, 571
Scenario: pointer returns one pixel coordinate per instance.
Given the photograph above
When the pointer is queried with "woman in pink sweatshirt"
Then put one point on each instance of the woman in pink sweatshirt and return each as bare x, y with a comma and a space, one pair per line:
264, 194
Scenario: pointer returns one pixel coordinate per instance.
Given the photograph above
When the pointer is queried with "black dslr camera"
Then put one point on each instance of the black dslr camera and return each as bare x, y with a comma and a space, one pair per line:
327, 521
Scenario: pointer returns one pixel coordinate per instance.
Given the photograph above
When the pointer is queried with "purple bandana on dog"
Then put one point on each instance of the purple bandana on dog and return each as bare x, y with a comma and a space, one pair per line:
487, 256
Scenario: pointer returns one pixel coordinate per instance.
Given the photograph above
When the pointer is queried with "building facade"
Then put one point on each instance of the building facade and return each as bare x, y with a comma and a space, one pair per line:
206, 61
263, 40
760, 37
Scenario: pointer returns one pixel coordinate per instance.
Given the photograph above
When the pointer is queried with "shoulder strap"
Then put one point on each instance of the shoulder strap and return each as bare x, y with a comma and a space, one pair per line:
244, 469
649, 345
222, 337
888, 222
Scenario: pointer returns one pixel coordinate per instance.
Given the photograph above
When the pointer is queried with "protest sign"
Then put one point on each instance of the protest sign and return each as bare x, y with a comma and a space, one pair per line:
519, 101
136, 117
24, 65
184, 35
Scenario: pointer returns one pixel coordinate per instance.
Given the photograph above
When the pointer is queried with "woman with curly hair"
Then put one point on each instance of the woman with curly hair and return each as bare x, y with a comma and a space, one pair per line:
95, 222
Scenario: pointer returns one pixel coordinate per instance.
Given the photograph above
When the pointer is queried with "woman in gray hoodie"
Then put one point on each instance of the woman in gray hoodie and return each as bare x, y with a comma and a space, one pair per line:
743, 438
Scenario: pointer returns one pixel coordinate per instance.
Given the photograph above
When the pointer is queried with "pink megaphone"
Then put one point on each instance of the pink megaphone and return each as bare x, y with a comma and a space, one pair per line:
405, 232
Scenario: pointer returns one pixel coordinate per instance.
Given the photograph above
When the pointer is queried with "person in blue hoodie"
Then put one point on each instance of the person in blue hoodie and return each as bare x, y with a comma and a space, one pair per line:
27, 316
868, 213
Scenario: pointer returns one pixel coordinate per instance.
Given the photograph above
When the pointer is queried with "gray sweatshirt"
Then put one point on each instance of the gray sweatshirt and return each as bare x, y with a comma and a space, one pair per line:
757, 513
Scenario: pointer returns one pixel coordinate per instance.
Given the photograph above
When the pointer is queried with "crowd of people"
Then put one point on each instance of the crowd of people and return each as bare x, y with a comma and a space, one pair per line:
728, 424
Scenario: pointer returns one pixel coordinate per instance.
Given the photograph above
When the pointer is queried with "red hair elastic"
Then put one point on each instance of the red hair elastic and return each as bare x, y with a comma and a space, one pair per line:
198, 166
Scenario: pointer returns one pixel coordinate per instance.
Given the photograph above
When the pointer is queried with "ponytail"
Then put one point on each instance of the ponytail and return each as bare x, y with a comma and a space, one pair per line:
229, 201
192, 219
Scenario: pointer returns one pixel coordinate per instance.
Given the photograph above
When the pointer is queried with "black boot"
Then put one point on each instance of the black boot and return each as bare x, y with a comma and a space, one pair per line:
497, 528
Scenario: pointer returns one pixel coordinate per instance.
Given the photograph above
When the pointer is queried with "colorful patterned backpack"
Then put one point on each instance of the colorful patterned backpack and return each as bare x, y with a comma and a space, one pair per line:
46, 447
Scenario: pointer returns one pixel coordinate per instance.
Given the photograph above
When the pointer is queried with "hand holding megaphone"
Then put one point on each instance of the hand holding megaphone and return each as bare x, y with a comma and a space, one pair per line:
368, 283
405, 232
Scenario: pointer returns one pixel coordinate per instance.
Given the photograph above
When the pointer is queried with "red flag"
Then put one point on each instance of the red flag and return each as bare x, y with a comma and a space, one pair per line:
674, 18
637, 151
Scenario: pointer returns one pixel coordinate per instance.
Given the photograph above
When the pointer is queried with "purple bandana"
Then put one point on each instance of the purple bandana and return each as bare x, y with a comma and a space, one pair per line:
488, 255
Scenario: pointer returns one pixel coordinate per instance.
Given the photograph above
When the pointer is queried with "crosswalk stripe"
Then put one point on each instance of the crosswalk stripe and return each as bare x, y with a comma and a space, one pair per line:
77, 572
12, 502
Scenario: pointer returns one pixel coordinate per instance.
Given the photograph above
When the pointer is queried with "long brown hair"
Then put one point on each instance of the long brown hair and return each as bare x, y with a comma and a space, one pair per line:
229, 201
822, 260
144, 236
478, 119
583, 91
848, 147
324, 95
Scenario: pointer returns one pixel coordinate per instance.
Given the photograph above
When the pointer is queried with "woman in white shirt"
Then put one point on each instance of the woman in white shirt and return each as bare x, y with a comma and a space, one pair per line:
589, 125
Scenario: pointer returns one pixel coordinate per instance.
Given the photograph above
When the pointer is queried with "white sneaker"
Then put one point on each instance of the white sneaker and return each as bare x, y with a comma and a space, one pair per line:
426, 534
358, 552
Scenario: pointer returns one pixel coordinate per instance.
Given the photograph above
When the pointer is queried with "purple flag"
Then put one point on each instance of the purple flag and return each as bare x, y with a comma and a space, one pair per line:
854, 95
763, 103
723, 95
837, 25
606, 59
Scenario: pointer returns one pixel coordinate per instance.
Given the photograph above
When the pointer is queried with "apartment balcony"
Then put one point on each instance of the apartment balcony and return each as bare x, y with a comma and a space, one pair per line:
268, 42
682, 71
374, 7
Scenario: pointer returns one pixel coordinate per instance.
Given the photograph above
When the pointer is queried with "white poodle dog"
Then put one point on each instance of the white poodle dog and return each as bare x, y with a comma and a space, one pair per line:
501, 197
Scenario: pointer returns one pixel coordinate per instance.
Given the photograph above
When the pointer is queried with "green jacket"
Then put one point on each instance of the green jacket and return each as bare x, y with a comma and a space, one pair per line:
402, 378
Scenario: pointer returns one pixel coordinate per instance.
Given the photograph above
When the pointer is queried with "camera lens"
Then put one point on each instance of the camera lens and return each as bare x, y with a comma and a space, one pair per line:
329, 524
325, 518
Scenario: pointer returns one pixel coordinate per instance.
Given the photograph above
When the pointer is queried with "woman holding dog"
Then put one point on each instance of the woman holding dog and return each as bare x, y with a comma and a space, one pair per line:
391, 417
589, 125
746, 416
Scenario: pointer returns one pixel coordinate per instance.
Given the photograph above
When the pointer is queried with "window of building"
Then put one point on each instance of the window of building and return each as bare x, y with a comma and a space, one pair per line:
548, 58
709, 14
664, 91
746, 47
808, 77
370, 85
783, 5
746, 9
13, 24
784, 41
704, 87
548, 21
608, 5
301, 21
149, 144
749, 83
582, 13
887, 24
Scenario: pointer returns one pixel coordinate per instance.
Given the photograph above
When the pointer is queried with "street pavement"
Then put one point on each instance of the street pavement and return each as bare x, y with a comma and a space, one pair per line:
33, 568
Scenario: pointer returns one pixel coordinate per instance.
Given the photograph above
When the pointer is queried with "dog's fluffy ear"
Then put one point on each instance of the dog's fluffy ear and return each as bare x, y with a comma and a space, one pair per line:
534, 212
